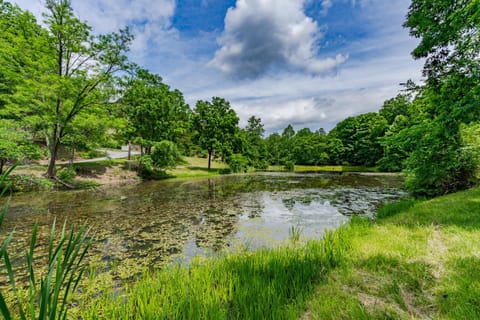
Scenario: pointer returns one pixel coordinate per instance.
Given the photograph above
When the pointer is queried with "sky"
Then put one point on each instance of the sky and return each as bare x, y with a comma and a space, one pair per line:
308, 63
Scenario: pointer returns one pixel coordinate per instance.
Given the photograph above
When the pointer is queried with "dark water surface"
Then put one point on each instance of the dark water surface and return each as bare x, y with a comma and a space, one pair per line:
153, 222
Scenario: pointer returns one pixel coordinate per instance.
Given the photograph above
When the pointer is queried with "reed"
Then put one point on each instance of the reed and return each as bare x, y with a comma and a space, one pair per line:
47, 291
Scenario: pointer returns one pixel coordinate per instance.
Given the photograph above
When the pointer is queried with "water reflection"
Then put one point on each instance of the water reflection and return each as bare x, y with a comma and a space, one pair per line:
150, 223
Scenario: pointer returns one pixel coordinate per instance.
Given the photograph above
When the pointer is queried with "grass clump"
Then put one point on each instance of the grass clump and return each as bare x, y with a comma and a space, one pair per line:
264, 284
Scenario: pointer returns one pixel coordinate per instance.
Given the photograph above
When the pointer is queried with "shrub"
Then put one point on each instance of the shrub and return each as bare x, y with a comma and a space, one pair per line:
237, 163
66, 174
165, 155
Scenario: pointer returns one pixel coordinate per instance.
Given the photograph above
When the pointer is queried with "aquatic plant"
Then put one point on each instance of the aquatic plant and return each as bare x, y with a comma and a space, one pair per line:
294, 234
47, 292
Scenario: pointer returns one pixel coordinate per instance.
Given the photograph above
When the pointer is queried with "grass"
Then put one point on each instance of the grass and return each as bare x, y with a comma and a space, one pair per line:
265, 284
420, 260
197, 167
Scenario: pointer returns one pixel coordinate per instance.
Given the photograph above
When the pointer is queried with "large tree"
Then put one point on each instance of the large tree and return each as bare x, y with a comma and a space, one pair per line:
449, 31
216, 124
65, 76
154, 112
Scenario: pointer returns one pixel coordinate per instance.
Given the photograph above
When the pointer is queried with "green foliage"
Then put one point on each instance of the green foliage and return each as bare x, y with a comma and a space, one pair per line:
438, 164
154, 111
289, 165
359, 139
59, 74
66, 174
448, 31
237, 163
165, 155
449, 34
15, 145
216, 125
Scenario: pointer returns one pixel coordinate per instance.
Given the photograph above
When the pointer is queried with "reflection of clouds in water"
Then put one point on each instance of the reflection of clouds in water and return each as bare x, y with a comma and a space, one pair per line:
268, 216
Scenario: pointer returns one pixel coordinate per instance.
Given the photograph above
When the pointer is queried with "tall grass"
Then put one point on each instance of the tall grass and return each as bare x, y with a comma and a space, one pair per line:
47, 292
263, 284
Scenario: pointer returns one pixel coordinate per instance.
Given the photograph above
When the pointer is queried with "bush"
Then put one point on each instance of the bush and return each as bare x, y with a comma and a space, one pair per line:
289, 165
439, 164
66, 174
165, 155
237, 163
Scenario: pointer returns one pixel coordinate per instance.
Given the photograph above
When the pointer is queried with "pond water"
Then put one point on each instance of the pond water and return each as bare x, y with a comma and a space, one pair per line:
154, 222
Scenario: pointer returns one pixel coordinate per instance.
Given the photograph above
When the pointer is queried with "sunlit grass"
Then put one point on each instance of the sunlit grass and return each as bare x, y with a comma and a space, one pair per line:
264, 284
420, 260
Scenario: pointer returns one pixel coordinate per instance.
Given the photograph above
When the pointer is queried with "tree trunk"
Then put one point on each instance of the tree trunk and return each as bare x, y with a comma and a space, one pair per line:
210, 151
53, 150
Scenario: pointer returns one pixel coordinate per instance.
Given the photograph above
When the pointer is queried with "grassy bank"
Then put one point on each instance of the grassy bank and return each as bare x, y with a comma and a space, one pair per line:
419, 260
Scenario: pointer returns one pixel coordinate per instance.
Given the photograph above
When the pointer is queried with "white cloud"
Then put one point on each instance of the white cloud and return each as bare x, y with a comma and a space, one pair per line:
149, 20
261, 35
326, 5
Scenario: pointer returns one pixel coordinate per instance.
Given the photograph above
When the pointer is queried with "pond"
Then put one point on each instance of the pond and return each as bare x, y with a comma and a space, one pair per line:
154, 222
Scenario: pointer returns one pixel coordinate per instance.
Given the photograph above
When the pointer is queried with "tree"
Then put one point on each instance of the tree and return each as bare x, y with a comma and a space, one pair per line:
154, 112
394, 107
15, 144
252, 144
360, 138
310, 147
66, 76
216, 124
274, 148
450, 41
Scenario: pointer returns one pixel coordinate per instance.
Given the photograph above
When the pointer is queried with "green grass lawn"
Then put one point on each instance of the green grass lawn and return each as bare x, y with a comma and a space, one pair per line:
197, 167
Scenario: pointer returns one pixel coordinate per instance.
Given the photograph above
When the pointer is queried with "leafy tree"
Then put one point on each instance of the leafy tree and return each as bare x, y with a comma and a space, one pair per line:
287, 143
154, 112
15, 144
65, 76
360, 138
252, 144
394, 107
216, 124
450, 41
310, 147
273, 144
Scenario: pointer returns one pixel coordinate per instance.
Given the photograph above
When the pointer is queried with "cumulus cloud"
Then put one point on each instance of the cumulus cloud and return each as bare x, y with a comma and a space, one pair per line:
263, 34
149, 20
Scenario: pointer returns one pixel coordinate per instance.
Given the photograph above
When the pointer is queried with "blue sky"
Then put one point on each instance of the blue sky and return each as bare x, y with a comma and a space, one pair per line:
309, 63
